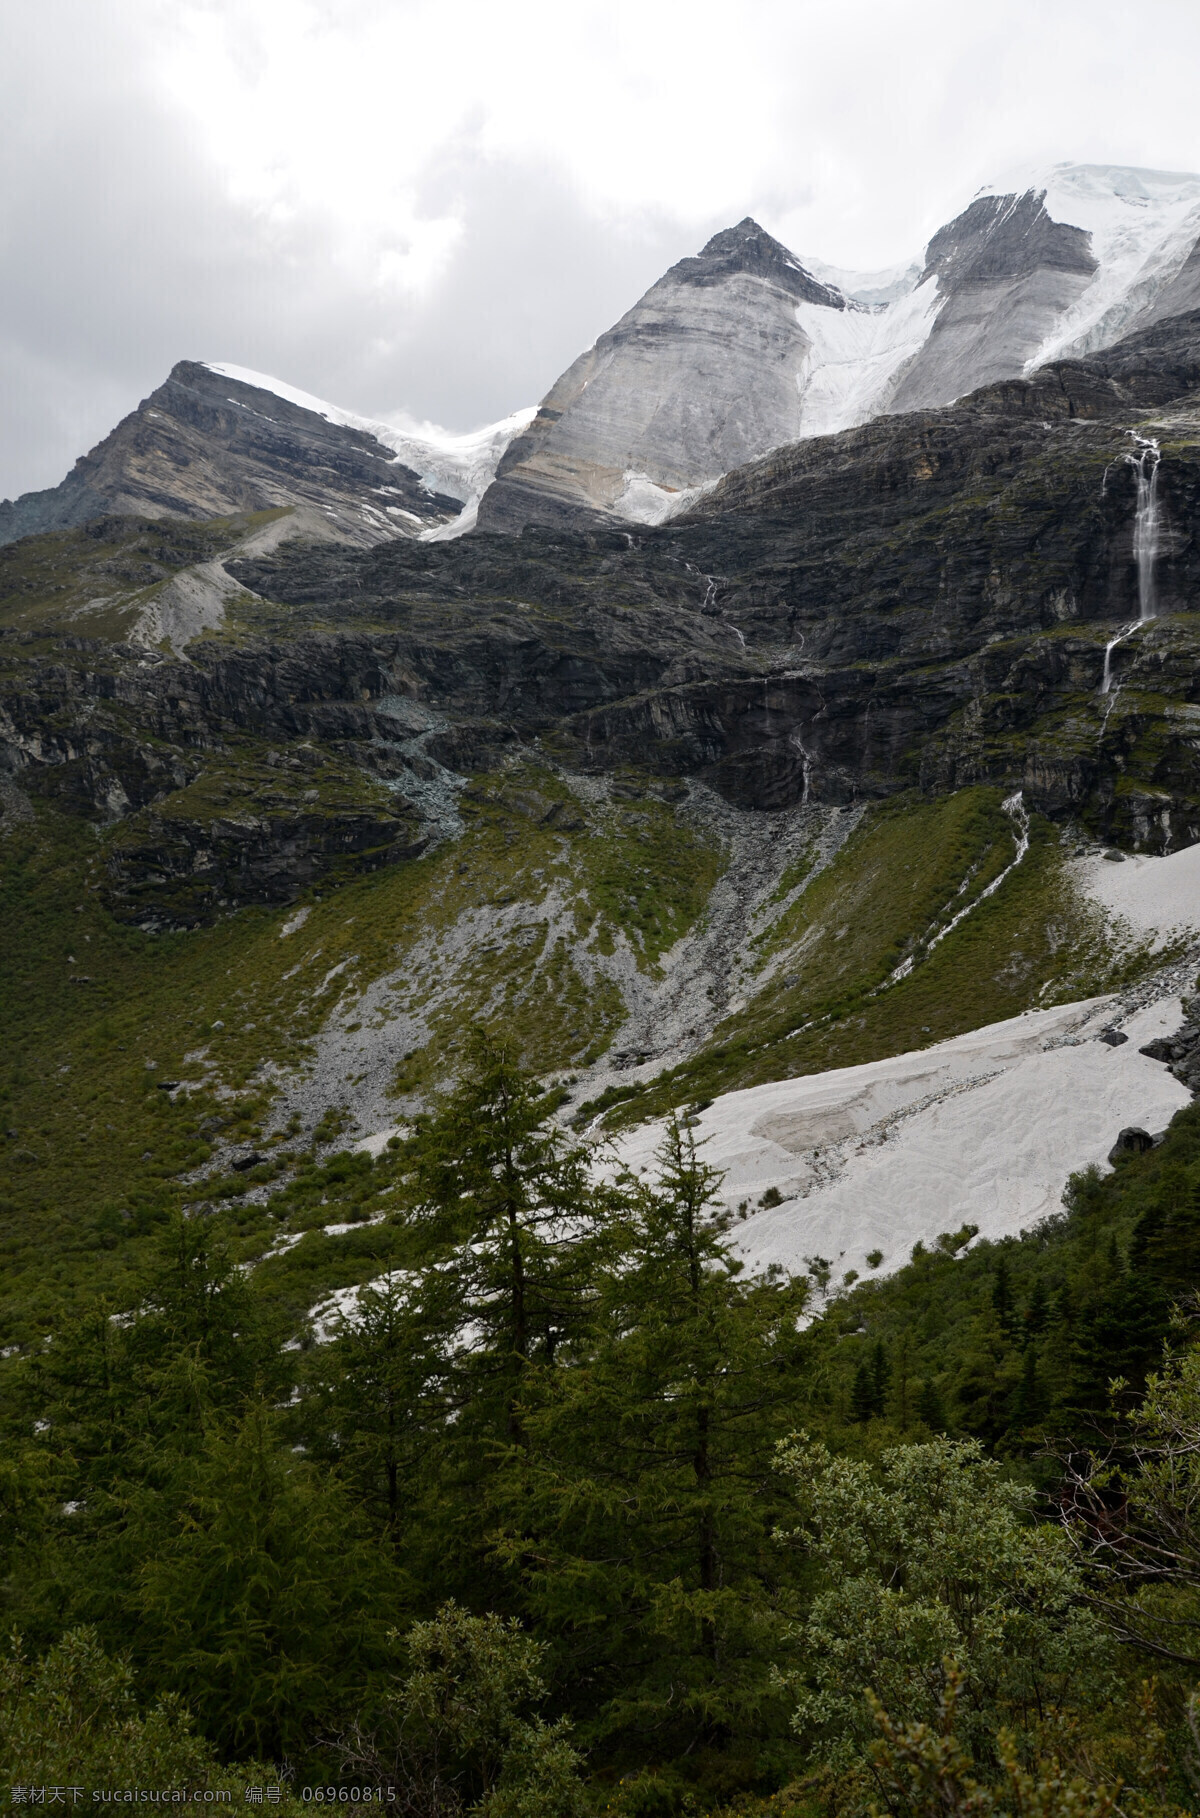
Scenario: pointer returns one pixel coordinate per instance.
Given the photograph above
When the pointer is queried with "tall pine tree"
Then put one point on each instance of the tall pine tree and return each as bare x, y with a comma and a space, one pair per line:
641, 1511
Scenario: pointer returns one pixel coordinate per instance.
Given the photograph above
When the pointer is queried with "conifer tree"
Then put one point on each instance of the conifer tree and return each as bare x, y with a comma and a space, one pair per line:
1030, 1401
382, 1400
881, 1376
421, 1395
929, 1407
641, 1516
126, 1402
1037, 1313
266, 1605
862, 1392
513, 1207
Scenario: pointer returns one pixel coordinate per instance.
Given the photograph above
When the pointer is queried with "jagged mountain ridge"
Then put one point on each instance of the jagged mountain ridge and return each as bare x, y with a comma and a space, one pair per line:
215, 440
1076, 258
922, 601
733, 353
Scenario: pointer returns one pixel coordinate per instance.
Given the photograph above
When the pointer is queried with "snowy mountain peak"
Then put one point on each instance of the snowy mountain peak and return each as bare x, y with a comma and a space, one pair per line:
743, 346
737, 350
751, 249
1141, 226
216, 439
1006, 237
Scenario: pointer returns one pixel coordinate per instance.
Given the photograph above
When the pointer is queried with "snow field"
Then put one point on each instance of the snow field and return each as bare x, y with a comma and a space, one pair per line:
983, 1129
856, 354
1155, 896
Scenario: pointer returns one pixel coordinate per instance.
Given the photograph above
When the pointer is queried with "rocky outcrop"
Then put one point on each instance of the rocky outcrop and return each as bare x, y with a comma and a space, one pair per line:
206, 445
171, 870
700, 376
1130, 1141
1181, 1051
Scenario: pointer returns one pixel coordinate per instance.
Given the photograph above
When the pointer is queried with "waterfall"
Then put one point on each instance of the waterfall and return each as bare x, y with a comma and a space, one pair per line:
797, 744
1145, 522
1146, 541
1126, 631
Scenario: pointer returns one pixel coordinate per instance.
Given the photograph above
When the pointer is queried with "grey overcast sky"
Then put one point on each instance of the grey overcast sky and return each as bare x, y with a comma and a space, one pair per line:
432, 206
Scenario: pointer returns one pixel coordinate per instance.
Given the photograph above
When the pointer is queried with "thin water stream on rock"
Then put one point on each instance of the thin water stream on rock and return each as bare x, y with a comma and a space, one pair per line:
1146, 522
1146, 543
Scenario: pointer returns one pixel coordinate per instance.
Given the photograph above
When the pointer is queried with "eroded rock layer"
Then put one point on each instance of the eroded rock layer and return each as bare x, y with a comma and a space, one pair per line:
206, 445
928, 601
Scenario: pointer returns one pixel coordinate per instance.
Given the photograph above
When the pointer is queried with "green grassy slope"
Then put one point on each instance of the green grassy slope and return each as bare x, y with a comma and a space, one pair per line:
498, 926
98, 1016
909, 868
94, 582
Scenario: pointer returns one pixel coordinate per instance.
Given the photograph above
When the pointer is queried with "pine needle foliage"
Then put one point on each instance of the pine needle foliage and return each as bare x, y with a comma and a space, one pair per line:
640, 1511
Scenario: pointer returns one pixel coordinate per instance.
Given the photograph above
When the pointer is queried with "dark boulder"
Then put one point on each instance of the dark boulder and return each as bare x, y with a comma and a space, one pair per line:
1130, 1141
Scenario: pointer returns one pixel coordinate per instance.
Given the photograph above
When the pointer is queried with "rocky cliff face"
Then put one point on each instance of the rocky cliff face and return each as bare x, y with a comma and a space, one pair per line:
1006, 273
742, 350
921, 602
207, 445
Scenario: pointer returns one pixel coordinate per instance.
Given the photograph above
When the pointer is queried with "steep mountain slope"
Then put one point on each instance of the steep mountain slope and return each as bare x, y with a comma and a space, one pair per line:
216, 440
686, 809
925, 599
678, 392
701, 375
732, 354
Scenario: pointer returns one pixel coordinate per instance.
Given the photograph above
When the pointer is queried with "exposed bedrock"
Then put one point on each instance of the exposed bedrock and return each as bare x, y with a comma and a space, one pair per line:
1006, 273
206, 445
171, 870
701, 375
921, 602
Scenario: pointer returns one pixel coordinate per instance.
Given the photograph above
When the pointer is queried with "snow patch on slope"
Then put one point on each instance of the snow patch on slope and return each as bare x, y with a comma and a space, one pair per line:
1154, 896
872, 288
462, 466
984, 1128
1143, 224
856, 355
643, 501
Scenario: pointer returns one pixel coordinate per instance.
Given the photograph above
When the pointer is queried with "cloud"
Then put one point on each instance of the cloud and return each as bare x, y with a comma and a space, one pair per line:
401, 205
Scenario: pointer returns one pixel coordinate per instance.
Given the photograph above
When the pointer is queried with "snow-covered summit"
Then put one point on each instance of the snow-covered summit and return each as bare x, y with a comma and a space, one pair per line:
745, 346
736, 351
1142, 227
217, 439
